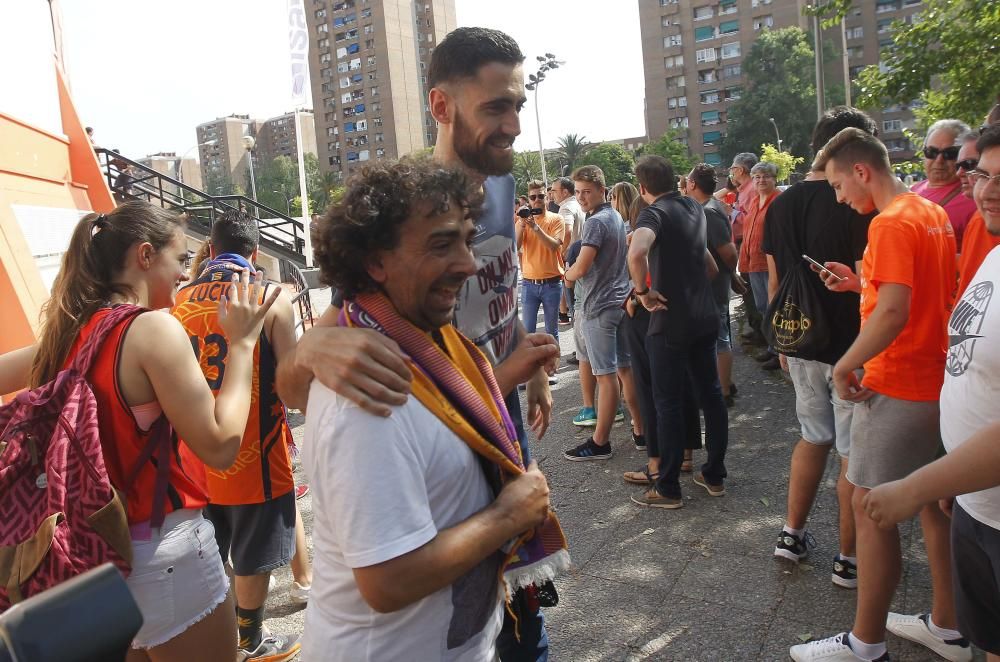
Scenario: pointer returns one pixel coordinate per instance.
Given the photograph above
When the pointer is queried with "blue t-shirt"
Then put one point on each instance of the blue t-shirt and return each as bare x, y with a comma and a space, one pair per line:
605, 285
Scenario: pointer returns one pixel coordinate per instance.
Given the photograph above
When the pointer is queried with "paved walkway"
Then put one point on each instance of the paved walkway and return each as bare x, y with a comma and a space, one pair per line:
699, 583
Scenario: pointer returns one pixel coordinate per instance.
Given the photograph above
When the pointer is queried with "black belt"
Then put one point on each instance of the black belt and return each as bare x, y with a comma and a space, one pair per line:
542, 281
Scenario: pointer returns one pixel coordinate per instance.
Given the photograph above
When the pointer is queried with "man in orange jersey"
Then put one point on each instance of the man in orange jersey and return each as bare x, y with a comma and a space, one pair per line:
539, 234
906, 285
252, 503
979, 241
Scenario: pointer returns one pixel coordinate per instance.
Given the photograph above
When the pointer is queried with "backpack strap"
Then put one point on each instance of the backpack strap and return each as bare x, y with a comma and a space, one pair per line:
88, 352
951, 196
161, 435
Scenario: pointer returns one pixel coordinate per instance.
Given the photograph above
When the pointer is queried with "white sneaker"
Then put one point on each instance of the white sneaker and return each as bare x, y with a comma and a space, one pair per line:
271, 583
299, 593
834, 649
916, 629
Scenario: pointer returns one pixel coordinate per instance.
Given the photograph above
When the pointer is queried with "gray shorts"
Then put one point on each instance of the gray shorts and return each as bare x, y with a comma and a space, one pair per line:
258, 537
578, 339
891, 438
605, 340
824, 417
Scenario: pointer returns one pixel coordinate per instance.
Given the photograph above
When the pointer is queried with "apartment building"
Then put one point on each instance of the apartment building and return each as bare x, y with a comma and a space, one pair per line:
693, 52
184, 169
223, 153
277, 137
368, 62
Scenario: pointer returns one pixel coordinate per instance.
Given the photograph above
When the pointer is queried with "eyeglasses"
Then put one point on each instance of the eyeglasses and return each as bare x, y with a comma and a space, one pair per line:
760, 176
536, 196
977, 176
967, 164
949, 153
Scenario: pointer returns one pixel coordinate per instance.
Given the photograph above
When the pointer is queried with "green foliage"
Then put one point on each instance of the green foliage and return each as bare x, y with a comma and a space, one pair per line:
670, 147
830, 12
278, 184
217, 183
527, 166
780, 72
323, 187
617, 163
948, 58
572, 148
784, 161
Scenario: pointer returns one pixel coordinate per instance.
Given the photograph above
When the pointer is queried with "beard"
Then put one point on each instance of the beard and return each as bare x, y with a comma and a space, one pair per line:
476, 157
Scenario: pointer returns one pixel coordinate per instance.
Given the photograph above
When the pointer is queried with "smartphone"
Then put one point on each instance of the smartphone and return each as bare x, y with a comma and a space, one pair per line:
822, 268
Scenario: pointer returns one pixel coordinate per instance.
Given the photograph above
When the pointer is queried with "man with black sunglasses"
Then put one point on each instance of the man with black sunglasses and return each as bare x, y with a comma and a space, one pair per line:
943, 184
539, 234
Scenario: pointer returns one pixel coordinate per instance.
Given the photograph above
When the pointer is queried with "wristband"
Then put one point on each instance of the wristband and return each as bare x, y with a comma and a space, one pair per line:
643, 293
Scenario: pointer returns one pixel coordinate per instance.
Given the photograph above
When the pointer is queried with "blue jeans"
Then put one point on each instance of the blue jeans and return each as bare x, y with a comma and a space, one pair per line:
546, 295
675, 368
758, 285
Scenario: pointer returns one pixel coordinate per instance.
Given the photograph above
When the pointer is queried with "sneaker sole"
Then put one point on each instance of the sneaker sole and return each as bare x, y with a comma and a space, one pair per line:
721, 493
574, 458
661, 506
844, 583
283, 656
789, 555
585, 424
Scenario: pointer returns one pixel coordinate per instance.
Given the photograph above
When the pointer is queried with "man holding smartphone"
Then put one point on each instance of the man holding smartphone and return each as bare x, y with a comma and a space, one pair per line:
539, 234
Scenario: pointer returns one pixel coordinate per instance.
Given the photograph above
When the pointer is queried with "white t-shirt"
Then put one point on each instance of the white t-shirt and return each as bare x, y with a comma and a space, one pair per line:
383, 487
971, 389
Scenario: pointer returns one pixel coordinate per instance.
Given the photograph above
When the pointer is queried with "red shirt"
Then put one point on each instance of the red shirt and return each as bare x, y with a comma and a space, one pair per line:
752, 257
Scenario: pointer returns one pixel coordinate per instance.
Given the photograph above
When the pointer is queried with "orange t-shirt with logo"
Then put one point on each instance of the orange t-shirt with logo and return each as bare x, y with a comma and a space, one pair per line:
263, 469
538, 260
976, 246
911, 242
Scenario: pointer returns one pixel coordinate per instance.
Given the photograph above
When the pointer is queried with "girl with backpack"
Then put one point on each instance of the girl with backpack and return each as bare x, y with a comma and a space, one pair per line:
136, 256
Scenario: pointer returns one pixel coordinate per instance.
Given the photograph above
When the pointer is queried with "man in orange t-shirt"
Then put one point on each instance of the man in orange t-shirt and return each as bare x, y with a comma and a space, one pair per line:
539, 237
907, 284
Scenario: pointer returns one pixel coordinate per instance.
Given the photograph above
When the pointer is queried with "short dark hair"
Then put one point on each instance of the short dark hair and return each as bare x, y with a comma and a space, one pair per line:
536, 184
235, 232
703, 176
463, 51
567, 184
851, 146
835, 120
989, 138
656, 174
378, 201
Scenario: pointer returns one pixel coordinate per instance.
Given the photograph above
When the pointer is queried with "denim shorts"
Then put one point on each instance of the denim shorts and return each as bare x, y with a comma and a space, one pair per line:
604, 336
724, 343
177, 577
578, 340
824, 417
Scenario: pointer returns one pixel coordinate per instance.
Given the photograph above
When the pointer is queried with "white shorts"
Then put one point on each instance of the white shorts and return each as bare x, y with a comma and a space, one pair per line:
824, 417
177, 577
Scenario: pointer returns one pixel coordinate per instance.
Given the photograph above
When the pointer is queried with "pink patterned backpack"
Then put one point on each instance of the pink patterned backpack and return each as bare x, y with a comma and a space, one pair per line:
59, 513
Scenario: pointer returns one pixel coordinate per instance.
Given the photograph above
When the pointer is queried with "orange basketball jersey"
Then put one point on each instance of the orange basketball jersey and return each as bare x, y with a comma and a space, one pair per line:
263, 468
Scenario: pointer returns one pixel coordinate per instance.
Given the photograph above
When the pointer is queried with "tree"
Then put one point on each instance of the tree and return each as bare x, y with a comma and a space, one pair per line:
572, 148
784, 161
670, 147
527, 166
948, 58
277, 184
781, 83
615, 161
323, 187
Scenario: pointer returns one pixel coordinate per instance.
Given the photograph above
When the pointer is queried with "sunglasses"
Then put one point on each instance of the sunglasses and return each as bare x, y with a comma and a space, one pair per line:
967, 164
950, 153
536, 196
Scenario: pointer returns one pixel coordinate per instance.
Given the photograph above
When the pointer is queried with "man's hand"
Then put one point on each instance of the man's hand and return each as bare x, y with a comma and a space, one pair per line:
848, 386
524, 500
835, 271
891, 503
535, 351
538, 397
653, 301
946, 506
360, 364
630, 307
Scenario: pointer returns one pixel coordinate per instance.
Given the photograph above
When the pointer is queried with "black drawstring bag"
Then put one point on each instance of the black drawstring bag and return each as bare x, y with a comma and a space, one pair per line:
795, 323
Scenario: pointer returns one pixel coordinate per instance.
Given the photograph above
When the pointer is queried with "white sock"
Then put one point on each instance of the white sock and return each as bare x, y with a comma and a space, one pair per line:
795, 532
866, 651
942, 633
853, 560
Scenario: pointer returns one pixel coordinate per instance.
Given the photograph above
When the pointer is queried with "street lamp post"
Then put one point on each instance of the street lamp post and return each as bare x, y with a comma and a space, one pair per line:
288, 202
249, 142
776, 134
180, 161
548, 62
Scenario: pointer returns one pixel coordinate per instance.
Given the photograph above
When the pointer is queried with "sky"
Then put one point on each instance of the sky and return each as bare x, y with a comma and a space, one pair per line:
145, 73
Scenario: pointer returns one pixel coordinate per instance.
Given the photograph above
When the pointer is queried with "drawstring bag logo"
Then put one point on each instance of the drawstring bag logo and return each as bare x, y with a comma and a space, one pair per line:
796, 322
790, 326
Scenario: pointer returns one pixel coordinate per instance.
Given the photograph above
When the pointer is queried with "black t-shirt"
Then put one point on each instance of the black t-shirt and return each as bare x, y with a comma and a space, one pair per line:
677, 269
807, 219
720, 233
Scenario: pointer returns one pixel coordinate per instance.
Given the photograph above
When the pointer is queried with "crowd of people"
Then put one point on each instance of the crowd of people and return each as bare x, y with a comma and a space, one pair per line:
433, 536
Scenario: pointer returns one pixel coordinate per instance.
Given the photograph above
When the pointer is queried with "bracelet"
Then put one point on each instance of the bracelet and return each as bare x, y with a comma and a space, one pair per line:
643, 293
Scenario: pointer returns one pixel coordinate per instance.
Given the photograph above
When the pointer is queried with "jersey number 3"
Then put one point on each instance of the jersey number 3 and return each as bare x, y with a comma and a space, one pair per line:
216, 359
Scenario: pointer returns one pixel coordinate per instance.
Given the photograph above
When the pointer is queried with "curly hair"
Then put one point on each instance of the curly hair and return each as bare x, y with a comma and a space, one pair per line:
378, 201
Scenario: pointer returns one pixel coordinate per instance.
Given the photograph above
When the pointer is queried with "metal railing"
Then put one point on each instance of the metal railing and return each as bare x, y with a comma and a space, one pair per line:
129, 180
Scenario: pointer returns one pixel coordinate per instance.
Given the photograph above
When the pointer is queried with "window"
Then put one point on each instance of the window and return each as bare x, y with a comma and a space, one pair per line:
360, 108
727, 7
673, 61
345, 82
379, 138
666, 21
762, 22
353, 48
345, 98
671, 40
729, 27
705, 55
320, 14
363, 155
677, 102
897, 144
375, 107
855, 52
331, 131
883, 25
733, 93
730, 50
712, 137
369, 29
362, 125
679, 123
712, 96
664, 3
355, 64
326, 73
704, 33
323, 43
349, 127
370, 43
675, 81
342, 67
710, 118
375, 90
323, 28
330, 116
885, 5
732, 71
713, 159
910, 3
758, 3
366, 13
372, 76
889, 126
341, 52
856, 32
706, 76
377, 121
357, 78
701, 13
371, 60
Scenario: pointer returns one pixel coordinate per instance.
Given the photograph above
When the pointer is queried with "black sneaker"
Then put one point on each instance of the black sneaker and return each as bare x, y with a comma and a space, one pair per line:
793, 547
639, 440
845, 573
564, 318
588, 450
